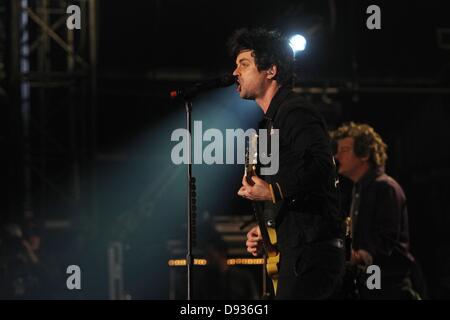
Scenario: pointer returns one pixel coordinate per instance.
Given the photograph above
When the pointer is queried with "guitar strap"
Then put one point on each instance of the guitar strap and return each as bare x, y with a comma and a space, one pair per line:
269, 214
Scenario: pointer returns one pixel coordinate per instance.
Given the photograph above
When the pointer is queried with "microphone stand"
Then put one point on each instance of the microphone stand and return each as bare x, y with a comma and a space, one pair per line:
187, 96
191, 204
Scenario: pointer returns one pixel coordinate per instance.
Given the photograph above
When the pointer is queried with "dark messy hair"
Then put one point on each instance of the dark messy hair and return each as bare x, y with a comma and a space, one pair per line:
268, 48
367, 142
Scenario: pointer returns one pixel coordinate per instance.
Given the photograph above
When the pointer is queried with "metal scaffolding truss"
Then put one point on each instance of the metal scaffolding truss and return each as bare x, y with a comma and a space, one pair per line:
53, 93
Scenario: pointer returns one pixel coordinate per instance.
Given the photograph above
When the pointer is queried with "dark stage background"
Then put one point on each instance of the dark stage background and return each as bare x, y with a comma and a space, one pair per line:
86, 154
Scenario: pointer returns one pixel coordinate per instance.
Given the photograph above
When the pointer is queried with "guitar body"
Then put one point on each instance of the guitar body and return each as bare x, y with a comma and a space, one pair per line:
268, 233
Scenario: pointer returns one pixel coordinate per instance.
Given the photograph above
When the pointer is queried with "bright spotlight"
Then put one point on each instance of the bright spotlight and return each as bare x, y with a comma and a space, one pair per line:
297, 43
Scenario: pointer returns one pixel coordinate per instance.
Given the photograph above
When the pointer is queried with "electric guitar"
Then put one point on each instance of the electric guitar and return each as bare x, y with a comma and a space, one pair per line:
265, 214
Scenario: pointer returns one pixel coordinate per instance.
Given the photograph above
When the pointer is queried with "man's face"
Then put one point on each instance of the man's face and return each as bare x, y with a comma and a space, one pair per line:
251, 82
349, 163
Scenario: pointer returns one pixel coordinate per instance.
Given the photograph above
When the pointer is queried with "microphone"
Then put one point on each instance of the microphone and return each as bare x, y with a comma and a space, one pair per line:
190, 92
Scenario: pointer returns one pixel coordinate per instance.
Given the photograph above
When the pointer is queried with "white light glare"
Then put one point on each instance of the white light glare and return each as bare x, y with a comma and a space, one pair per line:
297, 43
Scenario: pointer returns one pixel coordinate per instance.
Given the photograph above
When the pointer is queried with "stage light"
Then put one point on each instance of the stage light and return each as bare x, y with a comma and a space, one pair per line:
297, 43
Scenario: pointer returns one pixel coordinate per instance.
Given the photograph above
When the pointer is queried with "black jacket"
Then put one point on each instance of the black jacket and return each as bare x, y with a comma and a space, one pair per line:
380, 220
306, 182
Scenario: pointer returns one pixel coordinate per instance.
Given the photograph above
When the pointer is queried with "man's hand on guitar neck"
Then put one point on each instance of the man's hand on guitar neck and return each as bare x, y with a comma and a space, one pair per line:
254, 241
260, 191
